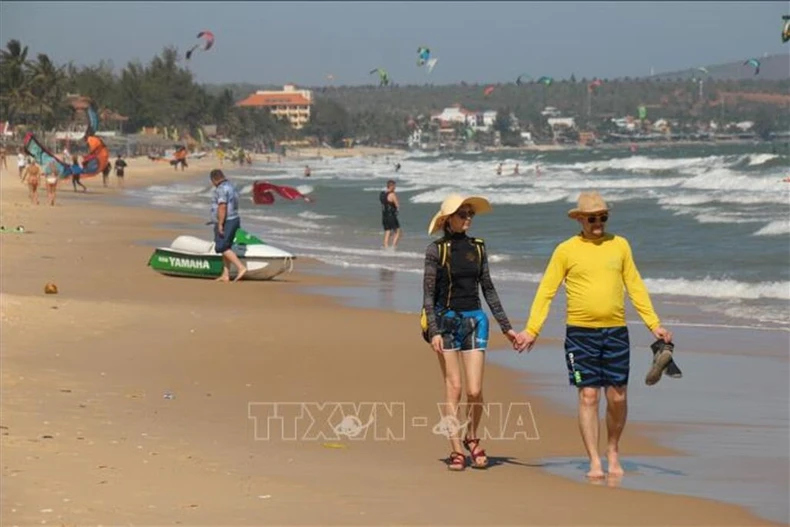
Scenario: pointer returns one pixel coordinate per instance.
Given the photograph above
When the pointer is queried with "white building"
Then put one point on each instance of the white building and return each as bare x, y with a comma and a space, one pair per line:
456, 114
561, 122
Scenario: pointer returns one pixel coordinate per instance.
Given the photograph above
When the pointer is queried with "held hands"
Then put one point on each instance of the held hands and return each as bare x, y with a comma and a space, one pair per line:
662, 333
524, 341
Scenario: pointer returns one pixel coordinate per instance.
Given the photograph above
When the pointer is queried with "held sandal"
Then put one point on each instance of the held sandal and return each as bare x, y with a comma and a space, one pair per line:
479, 457
456, 462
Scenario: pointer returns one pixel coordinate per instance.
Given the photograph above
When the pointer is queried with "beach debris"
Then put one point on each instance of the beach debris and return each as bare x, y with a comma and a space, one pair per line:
169, 395
50, 288
265, 496
47, 436
334, 445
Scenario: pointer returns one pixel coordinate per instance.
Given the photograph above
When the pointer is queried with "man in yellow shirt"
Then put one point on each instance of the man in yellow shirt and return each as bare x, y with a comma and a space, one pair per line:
596, 268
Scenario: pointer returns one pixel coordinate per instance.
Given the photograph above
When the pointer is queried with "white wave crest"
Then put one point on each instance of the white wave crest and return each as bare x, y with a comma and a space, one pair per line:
761, 159
711, 288
775, 228
309, 215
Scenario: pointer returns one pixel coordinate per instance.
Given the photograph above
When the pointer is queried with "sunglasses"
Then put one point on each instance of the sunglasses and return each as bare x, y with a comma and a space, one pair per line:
592, 220
465, 214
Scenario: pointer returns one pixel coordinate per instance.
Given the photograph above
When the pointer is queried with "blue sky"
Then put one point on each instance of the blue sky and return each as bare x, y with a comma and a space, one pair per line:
302, 42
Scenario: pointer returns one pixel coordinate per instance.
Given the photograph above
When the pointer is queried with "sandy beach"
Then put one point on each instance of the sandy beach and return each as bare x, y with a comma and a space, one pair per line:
135, 398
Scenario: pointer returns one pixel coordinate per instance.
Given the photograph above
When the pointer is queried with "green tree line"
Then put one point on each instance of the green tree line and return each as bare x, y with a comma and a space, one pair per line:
161, 92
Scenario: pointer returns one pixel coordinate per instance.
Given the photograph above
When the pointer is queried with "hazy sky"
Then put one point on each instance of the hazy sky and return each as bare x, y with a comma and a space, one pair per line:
481, 42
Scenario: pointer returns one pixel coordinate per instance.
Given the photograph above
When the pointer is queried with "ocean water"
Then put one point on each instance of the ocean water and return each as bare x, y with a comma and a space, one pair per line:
709, 226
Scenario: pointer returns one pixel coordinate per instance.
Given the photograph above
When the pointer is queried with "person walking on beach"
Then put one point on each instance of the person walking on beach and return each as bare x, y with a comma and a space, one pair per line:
389, 214
120, 166
596, 267
226, 220
456, 268
50, 171
105, 174
32, 175
21, 163
76, 173
3, 160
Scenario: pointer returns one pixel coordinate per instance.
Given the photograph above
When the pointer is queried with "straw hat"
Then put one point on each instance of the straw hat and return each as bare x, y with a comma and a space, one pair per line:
589, 203
451, 204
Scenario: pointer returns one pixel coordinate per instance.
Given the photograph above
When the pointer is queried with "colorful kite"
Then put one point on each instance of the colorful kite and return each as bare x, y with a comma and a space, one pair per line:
785, 28
93, 163
262, 193
424, 58
753, 63
206, 40
594, 84
384, 77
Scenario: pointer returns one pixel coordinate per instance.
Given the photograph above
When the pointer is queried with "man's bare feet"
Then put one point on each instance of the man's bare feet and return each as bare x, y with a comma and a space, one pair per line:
596, 470
615, 469
241, 273
223, 278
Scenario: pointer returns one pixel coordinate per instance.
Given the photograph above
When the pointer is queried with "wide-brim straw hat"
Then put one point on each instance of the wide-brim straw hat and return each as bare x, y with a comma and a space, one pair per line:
451, 204
589, 203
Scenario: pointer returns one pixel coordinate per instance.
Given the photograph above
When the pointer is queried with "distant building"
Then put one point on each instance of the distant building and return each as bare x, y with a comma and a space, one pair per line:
289, 103
561, 122
457, 114
550, 111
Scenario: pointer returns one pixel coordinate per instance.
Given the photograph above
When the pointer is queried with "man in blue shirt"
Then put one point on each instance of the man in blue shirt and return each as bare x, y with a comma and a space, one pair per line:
226, 220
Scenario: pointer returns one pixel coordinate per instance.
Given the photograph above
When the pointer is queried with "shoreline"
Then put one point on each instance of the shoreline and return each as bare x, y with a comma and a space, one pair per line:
119, 374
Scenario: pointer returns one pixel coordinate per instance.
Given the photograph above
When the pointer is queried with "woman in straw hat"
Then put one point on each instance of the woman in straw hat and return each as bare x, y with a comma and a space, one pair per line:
456, 267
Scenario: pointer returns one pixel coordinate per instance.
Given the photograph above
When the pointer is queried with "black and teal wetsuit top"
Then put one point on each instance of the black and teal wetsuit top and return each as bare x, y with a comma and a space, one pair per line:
455, 285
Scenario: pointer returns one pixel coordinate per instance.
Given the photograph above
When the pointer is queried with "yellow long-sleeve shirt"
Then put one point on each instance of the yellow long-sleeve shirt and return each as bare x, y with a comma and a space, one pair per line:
595, 274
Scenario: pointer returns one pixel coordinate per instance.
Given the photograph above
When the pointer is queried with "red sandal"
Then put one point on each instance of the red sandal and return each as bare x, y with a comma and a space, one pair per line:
479, 457
457, 461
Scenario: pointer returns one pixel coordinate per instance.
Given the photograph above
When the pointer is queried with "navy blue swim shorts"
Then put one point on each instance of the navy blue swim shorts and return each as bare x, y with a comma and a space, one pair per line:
597, 356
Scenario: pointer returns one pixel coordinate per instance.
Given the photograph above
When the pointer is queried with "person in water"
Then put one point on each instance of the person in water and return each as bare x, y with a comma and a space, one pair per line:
307, 172
389, 214
597, 269
456, 267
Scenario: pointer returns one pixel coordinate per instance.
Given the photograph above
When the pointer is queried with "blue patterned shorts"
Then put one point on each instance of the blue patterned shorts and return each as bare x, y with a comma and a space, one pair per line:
597, 356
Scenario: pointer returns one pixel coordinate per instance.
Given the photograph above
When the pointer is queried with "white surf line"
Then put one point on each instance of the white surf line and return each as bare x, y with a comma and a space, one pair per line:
726, 326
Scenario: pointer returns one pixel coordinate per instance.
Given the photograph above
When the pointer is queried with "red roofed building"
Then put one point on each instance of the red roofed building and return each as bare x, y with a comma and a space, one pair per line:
290, 103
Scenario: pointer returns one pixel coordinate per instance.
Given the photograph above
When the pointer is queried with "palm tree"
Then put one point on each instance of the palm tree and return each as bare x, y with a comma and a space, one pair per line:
46, 86
15, 95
